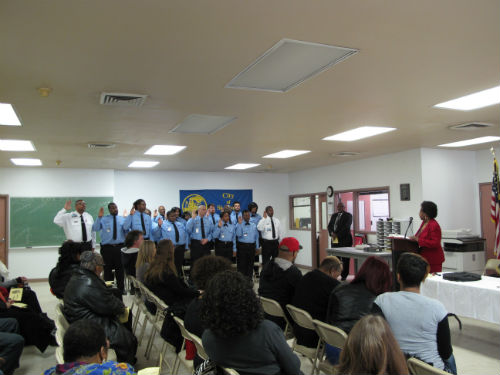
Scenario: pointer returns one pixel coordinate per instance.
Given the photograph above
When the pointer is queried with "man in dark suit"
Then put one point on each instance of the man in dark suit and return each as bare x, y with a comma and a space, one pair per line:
340, 230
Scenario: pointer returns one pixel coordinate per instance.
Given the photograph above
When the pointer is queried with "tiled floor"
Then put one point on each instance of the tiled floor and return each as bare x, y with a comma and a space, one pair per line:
476, 347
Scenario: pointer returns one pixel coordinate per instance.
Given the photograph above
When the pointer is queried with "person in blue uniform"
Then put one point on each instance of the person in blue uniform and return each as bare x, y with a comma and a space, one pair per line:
112, 241
247, 241
236, 214
199, 229
255, 218
159, 214
225, 237
214, 218
140, 220
175, 231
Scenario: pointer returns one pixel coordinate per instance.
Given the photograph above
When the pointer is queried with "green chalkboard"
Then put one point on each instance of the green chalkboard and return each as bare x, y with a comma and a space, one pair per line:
32, 219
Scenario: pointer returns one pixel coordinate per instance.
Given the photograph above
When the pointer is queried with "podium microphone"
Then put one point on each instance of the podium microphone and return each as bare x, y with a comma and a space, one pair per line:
408, 227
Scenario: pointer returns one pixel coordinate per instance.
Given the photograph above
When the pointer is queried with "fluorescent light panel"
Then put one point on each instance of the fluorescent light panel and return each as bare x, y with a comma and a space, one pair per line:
358, 133
286, 154
242, 166
287, 64
8, 115
143, 164
473, 141
473, 101
26, 162
202, 124
164, 150
16, 145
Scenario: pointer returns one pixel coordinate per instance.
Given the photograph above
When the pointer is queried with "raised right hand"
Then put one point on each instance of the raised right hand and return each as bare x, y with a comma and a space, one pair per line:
194, 214
220, 223
240, 219
67, 205
101, 212
132, 211
264, 215
155, 213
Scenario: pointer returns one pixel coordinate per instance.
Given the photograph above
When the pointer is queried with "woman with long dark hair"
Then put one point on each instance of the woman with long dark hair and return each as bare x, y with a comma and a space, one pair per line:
69, 261
237, 335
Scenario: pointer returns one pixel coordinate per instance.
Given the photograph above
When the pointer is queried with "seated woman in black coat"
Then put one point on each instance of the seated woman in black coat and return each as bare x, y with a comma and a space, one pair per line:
87, 297
68, 262
350, 302
162, 279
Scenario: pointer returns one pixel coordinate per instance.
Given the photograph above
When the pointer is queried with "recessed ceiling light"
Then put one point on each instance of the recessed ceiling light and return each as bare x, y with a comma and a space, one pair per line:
473, 101
286, 154
16, 145
202, 124
143, 164
473, 141
287, 64
242, 166
8, 115
26, 162
358, 133
164, 150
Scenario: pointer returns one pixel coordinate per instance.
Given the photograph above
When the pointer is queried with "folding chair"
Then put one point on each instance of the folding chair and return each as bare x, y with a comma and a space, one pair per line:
181, 356
229, 371
137, 300
332, 336
418, 367
304, 320
148, 316
200, 350
273, 308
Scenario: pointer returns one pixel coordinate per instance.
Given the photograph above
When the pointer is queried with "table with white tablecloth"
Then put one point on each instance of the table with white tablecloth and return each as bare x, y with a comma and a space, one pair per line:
473, 299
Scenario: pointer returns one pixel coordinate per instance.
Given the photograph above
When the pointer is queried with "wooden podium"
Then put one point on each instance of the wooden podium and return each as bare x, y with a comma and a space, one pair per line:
400, 246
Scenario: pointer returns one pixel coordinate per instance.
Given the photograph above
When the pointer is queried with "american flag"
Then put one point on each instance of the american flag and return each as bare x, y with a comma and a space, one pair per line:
495, 208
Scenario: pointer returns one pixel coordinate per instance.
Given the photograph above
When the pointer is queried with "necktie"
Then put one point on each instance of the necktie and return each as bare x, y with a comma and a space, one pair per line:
176, 233
202, 228
84, 229
142, 224
336, 221
274, 229
114, 227
213, 219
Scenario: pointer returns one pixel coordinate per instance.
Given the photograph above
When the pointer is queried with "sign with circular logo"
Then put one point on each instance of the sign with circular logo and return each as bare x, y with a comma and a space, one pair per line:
192, 201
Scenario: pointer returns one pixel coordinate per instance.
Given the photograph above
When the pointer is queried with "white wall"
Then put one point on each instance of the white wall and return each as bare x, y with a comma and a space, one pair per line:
386, 170
448, 178
126, 186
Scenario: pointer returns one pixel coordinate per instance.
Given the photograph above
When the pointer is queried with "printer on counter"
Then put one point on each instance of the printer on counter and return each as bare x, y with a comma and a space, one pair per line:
463, 251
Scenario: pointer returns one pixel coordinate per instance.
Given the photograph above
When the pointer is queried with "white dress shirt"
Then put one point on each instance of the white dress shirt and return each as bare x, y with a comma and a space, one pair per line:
266, 230
72, 225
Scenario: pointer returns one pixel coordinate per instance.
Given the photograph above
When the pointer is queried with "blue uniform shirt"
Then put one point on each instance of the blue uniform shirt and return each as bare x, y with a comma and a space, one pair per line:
193, 228
255, 218
133, 222
234, 218
105, 225
247, 233
168, 232
159, 216
226, 233
214, 219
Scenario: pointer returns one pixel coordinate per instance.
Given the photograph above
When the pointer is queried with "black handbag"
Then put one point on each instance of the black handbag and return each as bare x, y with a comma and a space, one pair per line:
461, 276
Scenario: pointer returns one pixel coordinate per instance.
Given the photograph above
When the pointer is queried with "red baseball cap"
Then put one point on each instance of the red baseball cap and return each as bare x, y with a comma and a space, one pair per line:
290, 244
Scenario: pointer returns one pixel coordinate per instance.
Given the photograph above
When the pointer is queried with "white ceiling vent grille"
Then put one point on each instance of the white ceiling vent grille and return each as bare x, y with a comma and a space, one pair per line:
122, 99
101, 145
471, 126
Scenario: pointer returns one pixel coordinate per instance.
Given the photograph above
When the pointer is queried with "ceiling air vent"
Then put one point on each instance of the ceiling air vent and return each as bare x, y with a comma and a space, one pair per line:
122, 99
471, 126
101, 145
345, 154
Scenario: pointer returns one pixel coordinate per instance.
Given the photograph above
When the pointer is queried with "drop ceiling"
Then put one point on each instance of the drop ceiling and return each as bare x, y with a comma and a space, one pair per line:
181, 54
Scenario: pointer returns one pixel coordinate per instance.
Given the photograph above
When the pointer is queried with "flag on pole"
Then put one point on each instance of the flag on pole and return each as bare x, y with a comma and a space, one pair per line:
495, 208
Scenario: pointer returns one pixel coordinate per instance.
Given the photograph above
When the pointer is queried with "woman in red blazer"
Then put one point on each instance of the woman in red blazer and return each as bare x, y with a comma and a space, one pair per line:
429, 237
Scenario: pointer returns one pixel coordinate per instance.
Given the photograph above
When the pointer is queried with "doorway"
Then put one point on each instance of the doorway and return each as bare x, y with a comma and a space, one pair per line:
320, 229
487, 226
4, 199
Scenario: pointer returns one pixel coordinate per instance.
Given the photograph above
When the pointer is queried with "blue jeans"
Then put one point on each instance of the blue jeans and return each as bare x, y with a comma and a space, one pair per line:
450, 365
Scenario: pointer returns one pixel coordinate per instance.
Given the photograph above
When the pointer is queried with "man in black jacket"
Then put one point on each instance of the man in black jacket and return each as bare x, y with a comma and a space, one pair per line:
340, 231
87, 297
280, 276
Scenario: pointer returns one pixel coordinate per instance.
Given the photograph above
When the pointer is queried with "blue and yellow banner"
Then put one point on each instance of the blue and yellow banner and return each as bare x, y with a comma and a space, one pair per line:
191, 199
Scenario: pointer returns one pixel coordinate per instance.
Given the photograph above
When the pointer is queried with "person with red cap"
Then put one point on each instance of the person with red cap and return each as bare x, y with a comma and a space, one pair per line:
280, 277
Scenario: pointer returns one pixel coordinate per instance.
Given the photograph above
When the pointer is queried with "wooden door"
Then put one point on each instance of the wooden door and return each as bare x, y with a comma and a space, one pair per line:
487, 226
3, 228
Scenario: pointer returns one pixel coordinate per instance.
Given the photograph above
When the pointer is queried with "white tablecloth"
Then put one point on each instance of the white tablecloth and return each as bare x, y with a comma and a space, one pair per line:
473, 299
